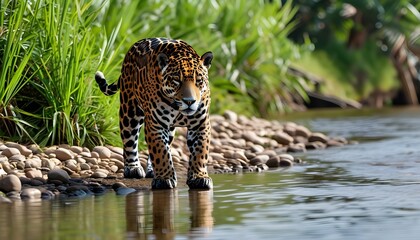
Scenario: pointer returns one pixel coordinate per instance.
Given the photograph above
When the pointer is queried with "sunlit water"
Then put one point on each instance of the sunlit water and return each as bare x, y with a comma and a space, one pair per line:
366, 191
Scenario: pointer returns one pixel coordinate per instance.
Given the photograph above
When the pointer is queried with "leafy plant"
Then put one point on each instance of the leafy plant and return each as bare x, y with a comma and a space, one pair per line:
16, 49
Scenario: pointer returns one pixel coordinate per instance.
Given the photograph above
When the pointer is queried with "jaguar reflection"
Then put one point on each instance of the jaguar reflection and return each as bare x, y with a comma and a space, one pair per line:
154, 213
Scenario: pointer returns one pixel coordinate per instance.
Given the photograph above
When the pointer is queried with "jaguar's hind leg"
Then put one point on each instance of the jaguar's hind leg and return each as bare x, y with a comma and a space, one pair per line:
131, 120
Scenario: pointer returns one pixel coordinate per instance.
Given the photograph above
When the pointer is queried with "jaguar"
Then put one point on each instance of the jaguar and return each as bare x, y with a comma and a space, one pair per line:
163, 85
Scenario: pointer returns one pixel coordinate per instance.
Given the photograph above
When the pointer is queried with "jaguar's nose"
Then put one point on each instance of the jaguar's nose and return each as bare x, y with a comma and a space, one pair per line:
188, 101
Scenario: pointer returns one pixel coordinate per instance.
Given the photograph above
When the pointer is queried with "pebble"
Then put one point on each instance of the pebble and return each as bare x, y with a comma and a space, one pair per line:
124, 190
318, 137
102, 151
8, 152
30, 193
59, 175
10, 183
63, 154
33, 173
99, 174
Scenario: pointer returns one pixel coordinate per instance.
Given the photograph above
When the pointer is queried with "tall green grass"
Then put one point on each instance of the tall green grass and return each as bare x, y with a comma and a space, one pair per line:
62, 44
15, 53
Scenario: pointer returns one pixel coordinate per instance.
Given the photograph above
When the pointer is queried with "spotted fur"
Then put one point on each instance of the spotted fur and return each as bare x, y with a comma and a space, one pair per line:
163, 85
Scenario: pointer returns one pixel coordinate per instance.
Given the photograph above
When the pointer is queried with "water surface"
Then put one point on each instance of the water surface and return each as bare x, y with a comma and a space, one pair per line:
366, 191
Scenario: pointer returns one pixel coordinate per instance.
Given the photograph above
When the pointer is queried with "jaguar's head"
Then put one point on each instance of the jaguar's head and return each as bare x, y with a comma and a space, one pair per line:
185, 79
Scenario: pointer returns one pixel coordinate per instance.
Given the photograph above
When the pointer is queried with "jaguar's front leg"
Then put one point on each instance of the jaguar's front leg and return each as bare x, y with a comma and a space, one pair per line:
158, 141
198, 141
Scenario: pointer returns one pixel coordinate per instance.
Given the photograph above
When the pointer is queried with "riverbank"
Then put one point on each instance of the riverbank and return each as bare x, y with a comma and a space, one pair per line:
239, 144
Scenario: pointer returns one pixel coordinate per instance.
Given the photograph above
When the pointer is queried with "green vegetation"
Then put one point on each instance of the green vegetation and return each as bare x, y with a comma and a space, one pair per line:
353, 42
50, 49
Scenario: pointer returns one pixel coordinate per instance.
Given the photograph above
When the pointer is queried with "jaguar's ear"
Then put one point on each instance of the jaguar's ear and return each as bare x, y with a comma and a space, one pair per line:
162, 61
206, 59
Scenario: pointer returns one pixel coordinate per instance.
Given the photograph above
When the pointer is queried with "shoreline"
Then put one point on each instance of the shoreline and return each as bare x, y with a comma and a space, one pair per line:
239, 144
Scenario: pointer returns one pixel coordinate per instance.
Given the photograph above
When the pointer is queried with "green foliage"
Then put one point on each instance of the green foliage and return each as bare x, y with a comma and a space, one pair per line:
353, 40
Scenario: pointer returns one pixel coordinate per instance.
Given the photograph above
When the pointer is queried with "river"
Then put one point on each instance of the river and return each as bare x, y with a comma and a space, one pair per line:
369, 190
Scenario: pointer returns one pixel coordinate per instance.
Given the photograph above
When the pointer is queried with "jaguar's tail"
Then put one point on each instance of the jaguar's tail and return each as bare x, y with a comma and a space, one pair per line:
108, 90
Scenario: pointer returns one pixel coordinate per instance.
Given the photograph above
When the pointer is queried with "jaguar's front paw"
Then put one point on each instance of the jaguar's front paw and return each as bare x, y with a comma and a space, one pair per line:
200, 183
160, 183
134, 172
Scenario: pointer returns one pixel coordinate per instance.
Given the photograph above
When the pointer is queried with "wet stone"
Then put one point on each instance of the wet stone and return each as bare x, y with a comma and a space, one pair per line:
285, 163
58, 174
47, 195
30, 193
318, 137
124, 190
273, 162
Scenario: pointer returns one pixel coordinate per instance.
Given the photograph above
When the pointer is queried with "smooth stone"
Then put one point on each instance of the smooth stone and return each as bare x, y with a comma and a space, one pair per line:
117, 156
273, 162
55, 182
315, 145
117, 185
25, 180
252, 137
33, 162
14, 195
30, 193
318, 137
283, 138
116, 150
22, 149
59, 174
17, 158
77, 193
63, 154
257, 149
75, 188
36, 182
48, 163
262, 167
2, 172
259, 159
114, 168
10, 183
119, 164
103, 152
8, 152
298, 147
47, 195
76, 149
84, 166
285, 163
3, 158
92, 161
99, 174
230, 115
33, 173
287, 157
124, 190
302, 131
